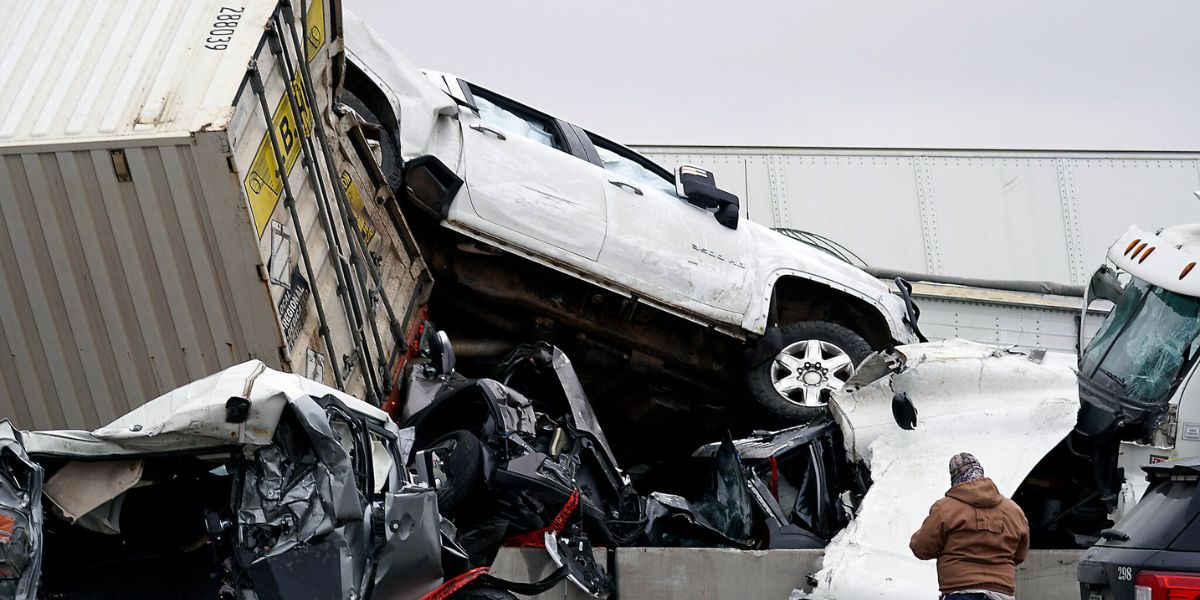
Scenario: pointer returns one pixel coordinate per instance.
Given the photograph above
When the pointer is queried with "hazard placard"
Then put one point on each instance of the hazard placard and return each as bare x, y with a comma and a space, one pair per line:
263, 183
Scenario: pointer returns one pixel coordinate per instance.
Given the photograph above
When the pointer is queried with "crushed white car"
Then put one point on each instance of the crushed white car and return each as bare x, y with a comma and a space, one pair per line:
558, 234
250, 483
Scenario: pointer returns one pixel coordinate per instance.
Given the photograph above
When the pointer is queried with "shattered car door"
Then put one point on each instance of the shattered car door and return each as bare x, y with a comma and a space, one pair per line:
20, 518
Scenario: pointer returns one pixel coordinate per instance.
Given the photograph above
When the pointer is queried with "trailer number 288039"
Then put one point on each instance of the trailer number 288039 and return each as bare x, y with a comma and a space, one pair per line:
223, 27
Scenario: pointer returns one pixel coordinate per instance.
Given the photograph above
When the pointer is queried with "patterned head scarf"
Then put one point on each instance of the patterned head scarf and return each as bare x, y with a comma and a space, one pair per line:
964, 468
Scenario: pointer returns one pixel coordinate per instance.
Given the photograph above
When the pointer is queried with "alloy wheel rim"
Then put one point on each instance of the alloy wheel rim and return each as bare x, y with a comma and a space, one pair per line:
807, 372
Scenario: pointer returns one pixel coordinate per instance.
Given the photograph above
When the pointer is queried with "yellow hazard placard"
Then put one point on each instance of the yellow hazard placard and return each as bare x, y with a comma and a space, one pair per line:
263, 183
356, 203
314, 29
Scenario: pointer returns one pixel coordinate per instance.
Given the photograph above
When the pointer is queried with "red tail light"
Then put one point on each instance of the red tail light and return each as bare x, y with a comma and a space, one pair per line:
1160, 585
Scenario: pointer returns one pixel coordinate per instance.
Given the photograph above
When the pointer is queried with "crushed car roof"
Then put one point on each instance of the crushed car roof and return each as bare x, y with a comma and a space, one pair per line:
198, 416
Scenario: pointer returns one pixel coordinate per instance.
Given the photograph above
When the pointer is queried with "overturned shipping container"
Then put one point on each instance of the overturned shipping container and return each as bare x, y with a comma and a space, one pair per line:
148, 234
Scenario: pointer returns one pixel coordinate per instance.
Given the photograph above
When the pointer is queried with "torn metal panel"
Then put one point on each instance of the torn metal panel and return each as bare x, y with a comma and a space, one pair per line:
410, 562
533, 455
282, 500
80, 487
539, 357
1005, 409
316, 510
573, 550
515, 409
770, 444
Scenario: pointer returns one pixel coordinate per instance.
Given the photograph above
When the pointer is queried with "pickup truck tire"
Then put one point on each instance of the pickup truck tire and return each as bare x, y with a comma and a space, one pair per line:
810, 360
392, 164
461, 454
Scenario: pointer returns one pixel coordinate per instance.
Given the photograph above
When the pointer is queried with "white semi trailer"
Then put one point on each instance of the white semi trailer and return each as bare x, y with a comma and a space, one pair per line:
178, 194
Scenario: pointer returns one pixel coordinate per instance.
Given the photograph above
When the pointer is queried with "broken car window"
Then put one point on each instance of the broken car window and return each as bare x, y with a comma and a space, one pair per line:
382, 463
630, 169
1145, 341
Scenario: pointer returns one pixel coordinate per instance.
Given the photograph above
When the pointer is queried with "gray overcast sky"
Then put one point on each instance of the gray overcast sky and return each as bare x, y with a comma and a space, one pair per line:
1099, 74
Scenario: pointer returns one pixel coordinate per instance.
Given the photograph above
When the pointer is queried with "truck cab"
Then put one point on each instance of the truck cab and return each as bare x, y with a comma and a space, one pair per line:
1140, 403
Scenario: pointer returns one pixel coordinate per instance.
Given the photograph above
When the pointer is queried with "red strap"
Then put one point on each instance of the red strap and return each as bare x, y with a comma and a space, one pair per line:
457, 583
537, 539
774, 477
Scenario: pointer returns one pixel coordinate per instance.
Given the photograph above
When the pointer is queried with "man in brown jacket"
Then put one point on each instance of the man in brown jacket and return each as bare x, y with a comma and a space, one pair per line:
976, 534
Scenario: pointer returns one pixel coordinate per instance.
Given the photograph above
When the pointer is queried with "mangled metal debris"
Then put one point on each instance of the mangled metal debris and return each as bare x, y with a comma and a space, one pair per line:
250, 481
521, 460
1004, 408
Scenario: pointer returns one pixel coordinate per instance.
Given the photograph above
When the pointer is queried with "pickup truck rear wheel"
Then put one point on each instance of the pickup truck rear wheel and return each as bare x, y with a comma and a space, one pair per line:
392, 165
811, 360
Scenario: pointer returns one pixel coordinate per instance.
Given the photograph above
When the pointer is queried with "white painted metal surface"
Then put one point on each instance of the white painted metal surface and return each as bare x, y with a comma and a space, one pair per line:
1005, 318
1002, 214
1005, 409
89, 70
144, 239
192, 417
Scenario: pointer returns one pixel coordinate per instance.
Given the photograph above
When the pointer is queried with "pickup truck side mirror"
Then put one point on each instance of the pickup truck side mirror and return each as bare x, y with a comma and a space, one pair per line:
699, 188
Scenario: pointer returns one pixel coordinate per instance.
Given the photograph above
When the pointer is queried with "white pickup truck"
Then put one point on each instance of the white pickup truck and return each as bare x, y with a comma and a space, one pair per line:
575, 238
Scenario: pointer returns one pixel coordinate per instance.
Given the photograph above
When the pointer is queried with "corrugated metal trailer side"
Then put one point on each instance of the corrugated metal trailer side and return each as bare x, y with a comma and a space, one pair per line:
996, 214
114, 291
148, 237
1005, 318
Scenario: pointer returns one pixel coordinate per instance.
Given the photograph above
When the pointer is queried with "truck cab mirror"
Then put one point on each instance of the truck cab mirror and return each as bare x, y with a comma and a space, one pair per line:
699, 188
1105, 286
435, 346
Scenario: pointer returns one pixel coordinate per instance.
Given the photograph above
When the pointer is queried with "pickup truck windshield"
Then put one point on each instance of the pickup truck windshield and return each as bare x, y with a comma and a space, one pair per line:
1145, 341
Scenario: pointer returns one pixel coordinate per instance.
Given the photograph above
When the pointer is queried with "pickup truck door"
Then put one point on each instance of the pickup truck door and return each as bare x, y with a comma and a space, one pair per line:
665, 243
20, 518
524, 185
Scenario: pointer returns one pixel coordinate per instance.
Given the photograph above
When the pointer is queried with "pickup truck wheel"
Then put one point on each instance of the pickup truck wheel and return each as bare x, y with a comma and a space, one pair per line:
459, 470
392, 165
812, 359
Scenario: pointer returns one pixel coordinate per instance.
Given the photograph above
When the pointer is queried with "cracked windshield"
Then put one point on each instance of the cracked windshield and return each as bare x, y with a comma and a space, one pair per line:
1142, 344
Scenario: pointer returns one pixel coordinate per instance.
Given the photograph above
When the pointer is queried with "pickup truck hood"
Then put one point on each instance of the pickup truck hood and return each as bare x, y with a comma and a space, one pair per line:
1006, 409
776, 255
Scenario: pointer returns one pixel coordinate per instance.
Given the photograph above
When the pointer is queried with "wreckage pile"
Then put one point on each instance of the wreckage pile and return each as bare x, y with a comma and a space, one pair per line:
257, 480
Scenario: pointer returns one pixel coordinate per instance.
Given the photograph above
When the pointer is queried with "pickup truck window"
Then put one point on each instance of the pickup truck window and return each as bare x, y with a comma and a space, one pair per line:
526, 126
631, 169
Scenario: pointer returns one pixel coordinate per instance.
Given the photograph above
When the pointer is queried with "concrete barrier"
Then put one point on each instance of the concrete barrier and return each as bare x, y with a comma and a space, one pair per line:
533, 564
1048, 574
712, 573
716, 573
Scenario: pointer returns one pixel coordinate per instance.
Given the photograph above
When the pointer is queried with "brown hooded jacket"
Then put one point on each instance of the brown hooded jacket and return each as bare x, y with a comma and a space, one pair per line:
977, 536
